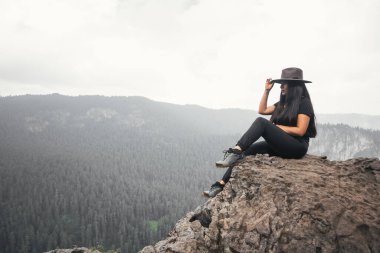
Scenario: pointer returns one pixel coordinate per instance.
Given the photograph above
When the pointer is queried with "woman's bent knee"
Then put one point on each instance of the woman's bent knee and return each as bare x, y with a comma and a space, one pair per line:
261, 120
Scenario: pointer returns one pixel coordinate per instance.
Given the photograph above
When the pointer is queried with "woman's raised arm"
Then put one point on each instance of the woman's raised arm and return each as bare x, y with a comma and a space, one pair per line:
263, 109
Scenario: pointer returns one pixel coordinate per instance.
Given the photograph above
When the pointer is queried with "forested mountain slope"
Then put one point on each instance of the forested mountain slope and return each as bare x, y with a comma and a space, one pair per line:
118, 171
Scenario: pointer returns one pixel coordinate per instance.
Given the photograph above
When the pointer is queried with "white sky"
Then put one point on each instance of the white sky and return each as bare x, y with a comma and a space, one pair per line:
214, 53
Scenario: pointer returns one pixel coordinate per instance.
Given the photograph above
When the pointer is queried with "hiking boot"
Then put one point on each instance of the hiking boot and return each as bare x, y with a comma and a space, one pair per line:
231, 156
214, 190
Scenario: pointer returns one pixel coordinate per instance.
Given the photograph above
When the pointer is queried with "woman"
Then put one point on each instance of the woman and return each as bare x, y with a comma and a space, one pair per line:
287, 132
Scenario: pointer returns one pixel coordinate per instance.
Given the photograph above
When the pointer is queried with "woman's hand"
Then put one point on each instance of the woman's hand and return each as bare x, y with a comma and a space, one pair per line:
301, 128
263, 108
268, 84
281, 127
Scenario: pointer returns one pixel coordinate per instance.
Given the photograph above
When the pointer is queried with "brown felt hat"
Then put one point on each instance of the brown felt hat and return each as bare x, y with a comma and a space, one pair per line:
291, 74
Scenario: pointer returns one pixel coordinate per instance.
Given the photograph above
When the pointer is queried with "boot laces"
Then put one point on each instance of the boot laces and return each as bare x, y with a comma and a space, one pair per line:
227, 152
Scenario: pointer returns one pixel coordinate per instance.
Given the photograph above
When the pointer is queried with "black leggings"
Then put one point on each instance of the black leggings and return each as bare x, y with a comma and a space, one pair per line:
277, 142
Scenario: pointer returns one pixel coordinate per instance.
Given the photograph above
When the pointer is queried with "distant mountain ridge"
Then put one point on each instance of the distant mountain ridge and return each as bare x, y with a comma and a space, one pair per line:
39, 112
351, 119
238, 116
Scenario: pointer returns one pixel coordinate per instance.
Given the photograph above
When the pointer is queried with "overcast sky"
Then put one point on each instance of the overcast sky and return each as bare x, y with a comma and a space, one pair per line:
214, 53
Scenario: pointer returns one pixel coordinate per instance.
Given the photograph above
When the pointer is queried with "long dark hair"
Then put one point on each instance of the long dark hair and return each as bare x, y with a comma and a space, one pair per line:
287, 108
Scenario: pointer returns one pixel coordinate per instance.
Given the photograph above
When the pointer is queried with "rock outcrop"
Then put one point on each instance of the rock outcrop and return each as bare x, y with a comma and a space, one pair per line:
286, 205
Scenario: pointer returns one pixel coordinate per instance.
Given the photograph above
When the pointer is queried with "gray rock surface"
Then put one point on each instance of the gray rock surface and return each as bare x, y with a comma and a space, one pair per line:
286, 205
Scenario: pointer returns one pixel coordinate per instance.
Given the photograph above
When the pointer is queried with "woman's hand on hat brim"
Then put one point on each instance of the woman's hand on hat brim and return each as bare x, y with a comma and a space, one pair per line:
268, 84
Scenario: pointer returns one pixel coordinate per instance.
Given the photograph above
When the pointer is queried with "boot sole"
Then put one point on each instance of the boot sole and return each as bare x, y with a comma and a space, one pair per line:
204, 194
222, 165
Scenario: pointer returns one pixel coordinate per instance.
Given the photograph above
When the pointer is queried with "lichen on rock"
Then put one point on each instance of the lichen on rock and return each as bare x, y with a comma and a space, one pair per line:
286, 205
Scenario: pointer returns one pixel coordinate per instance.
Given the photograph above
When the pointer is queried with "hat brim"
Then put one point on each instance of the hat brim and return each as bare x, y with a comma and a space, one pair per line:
285, 79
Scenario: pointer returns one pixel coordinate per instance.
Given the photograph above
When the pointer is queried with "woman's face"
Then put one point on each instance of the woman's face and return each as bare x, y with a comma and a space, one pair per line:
284, 88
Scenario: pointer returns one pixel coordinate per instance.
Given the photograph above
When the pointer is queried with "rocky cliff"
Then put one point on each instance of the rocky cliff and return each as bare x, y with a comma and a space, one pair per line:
286, 205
